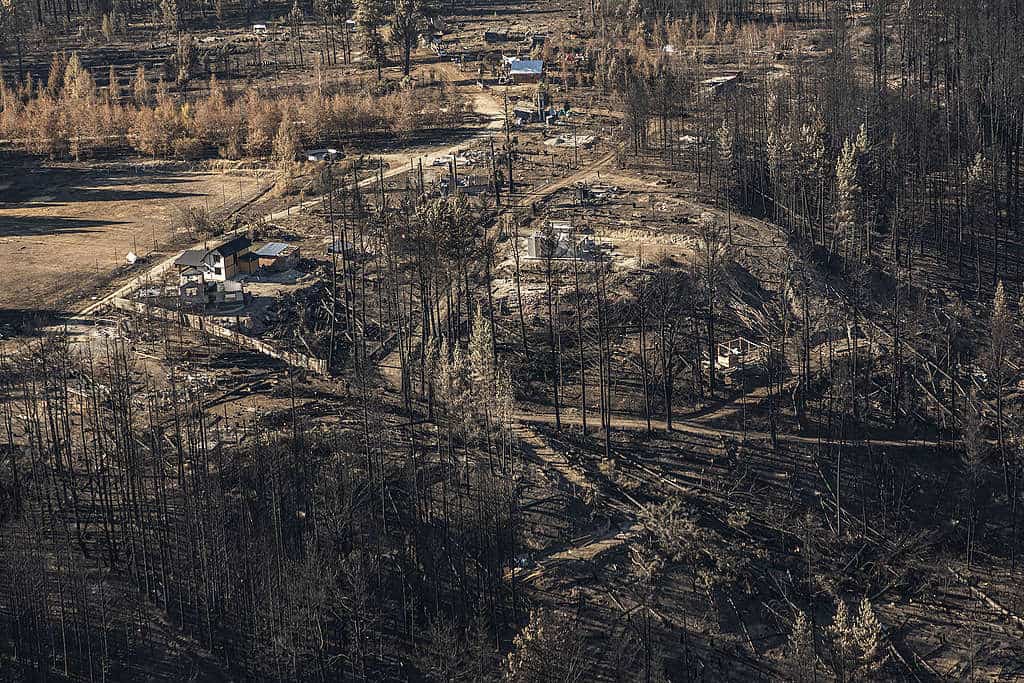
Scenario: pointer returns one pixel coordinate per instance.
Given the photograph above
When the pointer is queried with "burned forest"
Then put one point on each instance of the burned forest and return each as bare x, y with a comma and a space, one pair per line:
507, 340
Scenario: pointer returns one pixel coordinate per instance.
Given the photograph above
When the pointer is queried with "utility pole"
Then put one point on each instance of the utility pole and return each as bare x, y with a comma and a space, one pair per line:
494, 176
334, 267
576, 144
508, 148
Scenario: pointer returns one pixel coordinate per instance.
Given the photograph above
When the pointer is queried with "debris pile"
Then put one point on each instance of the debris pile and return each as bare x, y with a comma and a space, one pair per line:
301, 320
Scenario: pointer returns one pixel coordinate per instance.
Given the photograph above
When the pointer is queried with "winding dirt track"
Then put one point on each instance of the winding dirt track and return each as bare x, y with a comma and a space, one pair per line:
632, 423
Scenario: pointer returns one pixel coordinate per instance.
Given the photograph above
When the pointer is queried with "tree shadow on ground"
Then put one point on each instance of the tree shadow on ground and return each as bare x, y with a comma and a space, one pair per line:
25, 321
24, 226
92, 194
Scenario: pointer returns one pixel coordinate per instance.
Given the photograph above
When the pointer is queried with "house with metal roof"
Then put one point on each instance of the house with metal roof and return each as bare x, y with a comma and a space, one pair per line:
214, 264
273, 256
204, 275
526, 70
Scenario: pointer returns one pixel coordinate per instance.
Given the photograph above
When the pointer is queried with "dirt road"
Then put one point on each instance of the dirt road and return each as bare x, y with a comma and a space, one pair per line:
631, 423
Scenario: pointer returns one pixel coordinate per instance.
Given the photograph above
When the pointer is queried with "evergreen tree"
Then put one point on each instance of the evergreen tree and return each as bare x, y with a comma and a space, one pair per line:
869, 637
547, 649
726, 142
107, 28
409, 20
55, 78
801, 658
170, 15
858, 649
370, 14
113, 86
481, 354
847, 197
141, 90
285, 144
844, 647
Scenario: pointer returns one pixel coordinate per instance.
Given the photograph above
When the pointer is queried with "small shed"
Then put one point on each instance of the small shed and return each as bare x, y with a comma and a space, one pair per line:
259, 28
526, 70
275, 256
495, 36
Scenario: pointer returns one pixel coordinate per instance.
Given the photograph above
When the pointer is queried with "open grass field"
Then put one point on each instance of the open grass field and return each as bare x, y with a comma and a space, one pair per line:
64, 230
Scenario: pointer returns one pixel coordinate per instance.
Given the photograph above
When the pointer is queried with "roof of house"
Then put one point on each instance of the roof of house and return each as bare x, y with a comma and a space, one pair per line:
191, 258
233, 246
526, 66
272, 249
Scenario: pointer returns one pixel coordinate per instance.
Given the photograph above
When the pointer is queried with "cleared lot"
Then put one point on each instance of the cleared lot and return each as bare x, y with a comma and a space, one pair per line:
65, 230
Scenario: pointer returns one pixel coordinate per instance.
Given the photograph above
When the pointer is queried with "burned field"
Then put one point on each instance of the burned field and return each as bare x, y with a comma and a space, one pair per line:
510, 342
